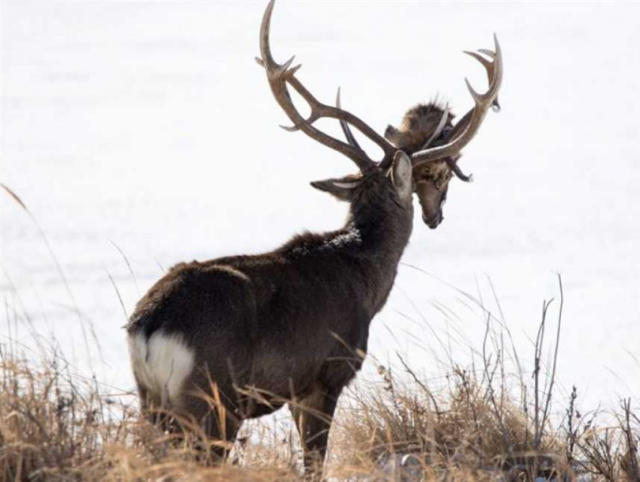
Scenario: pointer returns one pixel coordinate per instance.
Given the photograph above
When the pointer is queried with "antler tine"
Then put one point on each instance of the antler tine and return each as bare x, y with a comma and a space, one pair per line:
468, 126
345, 126
278, 77
439, 127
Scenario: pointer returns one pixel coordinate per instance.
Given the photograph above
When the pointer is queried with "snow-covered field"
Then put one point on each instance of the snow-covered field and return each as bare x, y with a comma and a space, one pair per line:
146, 128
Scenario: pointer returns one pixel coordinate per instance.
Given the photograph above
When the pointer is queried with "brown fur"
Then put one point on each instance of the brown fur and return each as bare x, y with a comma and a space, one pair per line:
431, 180
417, 126
291, 324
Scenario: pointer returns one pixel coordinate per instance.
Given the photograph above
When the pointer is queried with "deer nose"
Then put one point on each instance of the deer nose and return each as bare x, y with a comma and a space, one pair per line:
433, 221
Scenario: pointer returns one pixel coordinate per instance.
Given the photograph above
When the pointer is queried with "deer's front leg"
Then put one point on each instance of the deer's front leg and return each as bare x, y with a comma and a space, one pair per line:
312, 416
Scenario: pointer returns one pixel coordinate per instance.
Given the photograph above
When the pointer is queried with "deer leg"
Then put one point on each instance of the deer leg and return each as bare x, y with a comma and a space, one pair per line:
312, 416
151, 409
204, 410
215, 424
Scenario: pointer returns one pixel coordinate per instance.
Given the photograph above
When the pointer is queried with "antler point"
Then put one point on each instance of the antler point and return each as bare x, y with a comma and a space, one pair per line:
286, 65
472, 91
293, 70
289, 128
487, 52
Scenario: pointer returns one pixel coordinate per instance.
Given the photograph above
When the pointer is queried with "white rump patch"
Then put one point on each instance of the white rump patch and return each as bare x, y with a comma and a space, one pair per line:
161, 364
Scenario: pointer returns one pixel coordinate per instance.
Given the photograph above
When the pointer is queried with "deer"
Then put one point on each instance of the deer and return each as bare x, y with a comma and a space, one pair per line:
290, 326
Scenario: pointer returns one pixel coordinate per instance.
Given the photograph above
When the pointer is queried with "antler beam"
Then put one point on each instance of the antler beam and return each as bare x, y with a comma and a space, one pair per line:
279, 75
468, 126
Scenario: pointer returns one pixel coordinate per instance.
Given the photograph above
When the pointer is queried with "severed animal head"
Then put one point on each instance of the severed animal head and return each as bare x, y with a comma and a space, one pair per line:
422, 126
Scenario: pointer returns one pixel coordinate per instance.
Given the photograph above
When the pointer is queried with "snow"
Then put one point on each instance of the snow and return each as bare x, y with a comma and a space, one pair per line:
143, 133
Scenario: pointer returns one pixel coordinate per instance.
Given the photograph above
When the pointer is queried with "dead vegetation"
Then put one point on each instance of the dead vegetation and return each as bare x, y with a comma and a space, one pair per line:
56, 426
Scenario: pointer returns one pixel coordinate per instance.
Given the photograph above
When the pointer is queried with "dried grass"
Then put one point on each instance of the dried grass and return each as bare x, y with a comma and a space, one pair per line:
54, 426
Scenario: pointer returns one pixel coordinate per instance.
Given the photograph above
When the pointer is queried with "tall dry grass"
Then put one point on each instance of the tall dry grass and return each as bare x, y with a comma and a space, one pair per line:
486, 426
56, 426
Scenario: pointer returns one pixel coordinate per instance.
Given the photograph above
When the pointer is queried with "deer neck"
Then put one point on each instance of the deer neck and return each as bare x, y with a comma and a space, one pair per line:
383, 231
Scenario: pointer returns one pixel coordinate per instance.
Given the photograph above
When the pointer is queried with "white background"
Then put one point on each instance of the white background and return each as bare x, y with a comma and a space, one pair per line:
148, 126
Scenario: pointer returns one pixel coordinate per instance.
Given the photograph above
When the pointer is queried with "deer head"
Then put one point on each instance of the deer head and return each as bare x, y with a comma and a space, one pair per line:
421, 127
427, 136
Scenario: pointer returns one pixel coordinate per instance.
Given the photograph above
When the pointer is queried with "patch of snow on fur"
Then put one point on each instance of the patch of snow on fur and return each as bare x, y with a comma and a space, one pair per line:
350, 236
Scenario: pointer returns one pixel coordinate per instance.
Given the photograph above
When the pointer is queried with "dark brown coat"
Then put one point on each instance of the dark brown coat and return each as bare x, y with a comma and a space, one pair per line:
287, 325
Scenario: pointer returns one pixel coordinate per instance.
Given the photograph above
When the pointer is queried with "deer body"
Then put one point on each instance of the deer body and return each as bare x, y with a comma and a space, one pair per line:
291, 324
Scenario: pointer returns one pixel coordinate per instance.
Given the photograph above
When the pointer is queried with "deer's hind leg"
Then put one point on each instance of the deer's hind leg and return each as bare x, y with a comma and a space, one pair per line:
206, 412
214, 426
152, 410
313, 415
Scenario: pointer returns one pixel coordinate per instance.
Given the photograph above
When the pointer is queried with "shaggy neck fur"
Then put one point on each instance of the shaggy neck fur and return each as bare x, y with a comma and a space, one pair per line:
373, 224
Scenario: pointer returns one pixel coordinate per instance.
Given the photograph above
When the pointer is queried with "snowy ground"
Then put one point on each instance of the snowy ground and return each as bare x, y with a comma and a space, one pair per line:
146, 127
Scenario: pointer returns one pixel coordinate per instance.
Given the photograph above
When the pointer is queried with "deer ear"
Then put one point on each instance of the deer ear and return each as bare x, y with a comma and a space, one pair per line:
340, 188
391, 134
401, 174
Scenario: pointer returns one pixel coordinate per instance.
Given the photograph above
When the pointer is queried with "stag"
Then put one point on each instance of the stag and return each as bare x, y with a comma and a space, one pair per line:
290, 326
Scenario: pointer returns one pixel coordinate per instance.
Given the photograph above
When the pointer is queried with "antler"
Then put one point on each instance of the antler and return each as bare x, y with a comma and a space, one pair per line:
468, 126
345, 126
278, 77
